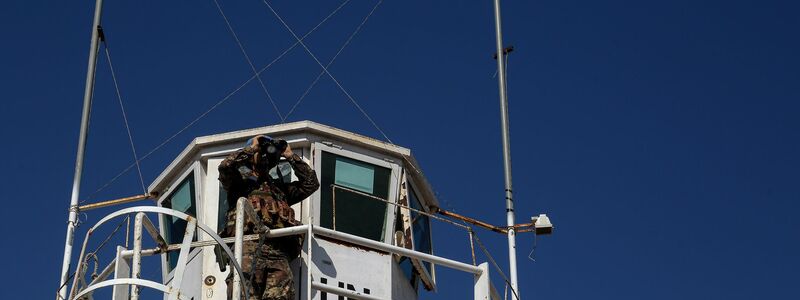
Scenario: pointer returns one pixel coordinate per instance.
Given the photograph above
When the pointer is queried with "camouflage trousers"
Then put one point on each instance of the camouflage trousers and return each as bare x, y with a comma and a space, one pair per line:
271, 277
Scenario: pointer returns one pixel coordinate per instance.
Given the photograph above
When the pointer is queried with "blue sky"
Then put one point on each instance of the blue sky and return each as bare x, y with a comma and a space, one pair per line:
660, 136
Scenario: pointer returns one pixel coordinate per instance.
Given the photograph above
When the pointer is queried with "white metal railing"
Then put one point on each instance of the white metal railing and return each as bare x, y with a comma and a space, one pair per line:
244, 212
135, 282
482, 285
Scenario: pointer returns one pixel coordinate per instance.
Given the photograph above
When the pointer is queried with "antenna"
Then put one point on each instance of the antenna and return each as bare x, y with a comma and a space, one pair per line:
76, 182
501, 81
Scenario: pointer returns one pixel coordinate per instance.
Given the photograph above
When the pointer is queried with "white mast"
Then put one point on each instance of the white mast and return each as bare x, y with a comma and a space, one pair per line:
501, 76
76, 183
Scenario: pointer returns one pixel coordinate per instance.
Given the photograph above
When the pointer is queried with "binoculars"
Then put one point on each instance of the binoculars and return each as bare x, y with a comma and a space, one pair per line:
270, 149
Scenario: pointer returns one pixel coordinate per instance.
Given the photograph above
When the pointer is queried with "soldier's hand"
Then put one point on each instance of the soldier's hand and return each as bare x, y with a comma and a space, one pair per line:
288, 152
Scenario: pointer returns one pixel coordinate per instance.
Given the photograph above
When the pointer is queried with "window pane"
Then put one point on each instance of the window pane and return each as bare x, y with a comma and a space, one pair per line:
222, 210
355, 214
359, 215
182, 199
358, 176
421, 228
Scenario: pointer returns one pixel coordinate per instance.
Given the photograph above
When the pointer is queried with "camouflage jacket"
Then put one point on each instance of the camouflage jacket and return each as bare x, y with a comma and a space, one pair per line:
276, 194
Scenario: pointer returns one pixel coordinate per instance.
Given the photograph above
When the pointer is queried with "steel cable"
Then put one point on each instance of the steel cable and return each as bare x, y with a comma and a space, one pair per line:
124, 115
249, 61
496, 266
325, 69
220, 102
344, 45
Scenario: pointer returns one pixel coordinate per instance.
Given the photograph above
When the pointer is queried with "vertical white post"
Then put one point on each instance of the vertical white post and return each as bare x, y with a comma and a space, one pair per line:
122, 269
501, 79
136, 261
309, 260
183, 257
238, 243
482, 285
76, 182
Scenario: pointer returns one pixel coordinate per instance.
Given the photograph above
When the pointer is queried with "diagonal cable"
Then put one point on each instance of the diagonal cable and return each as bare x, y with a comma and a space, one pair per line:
249, 61
220, 102
353, 100
325, 70
497, 267
344, 45
124, 115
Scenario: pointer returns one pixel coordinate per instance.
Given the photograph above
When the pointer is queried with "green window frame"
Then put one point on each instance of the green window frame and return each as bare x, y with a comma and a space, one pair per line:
183, 199
356, 213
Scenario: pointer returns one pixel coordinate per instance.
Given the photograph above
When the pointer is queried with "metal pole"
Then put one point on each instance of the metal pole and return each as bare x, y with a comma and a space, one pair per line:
76, 183
501, 76
119, 201
238, 244
136, 261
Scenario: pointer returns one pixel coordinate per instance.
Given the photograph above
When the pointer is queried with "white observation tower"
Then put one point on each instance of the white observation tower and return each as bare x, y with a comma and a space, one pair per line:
367, 229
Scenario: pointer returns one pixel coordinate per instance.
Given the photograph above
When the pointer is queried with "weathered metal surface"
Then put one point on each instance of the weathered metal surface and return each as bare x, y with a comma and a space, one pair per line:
472, 221
136, 261
151, 229
238, 244
119, 201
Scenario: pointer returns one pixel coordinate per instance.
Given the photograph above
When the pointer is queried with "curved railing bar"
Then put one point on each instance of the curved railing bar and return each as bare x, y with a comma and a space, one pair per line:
157, 210
127, 281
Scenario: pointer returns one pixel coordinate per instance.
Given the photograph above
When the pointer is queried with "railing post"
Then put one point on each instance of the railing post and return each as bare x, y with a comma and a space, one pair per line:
122, 269
309, 261
122, 266
183, 257
482, 285
136, 261
238, 244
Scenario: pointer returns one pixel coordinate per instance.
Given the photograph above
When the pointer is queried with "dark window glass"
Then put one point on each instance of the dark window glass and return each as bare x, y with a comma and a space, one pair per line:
409, 272
222, 212
183, 200
355, 214
421, 228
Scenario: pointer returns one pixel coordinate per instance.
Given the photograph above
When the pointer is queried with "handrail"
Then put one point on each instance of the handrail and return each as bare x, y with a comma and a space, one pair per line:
173, 291
342, 292
396, 250
482, 284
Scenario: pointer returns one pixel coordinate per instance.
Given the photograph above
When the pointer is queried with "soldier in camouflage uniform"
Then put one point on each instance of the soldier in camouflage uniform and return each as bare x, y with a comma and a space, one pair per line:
242, 175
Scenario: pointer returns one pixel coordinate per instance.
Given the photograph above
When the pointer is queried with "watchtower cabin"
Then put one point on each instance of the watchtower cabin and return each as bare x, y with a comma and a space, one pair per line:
361, 240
